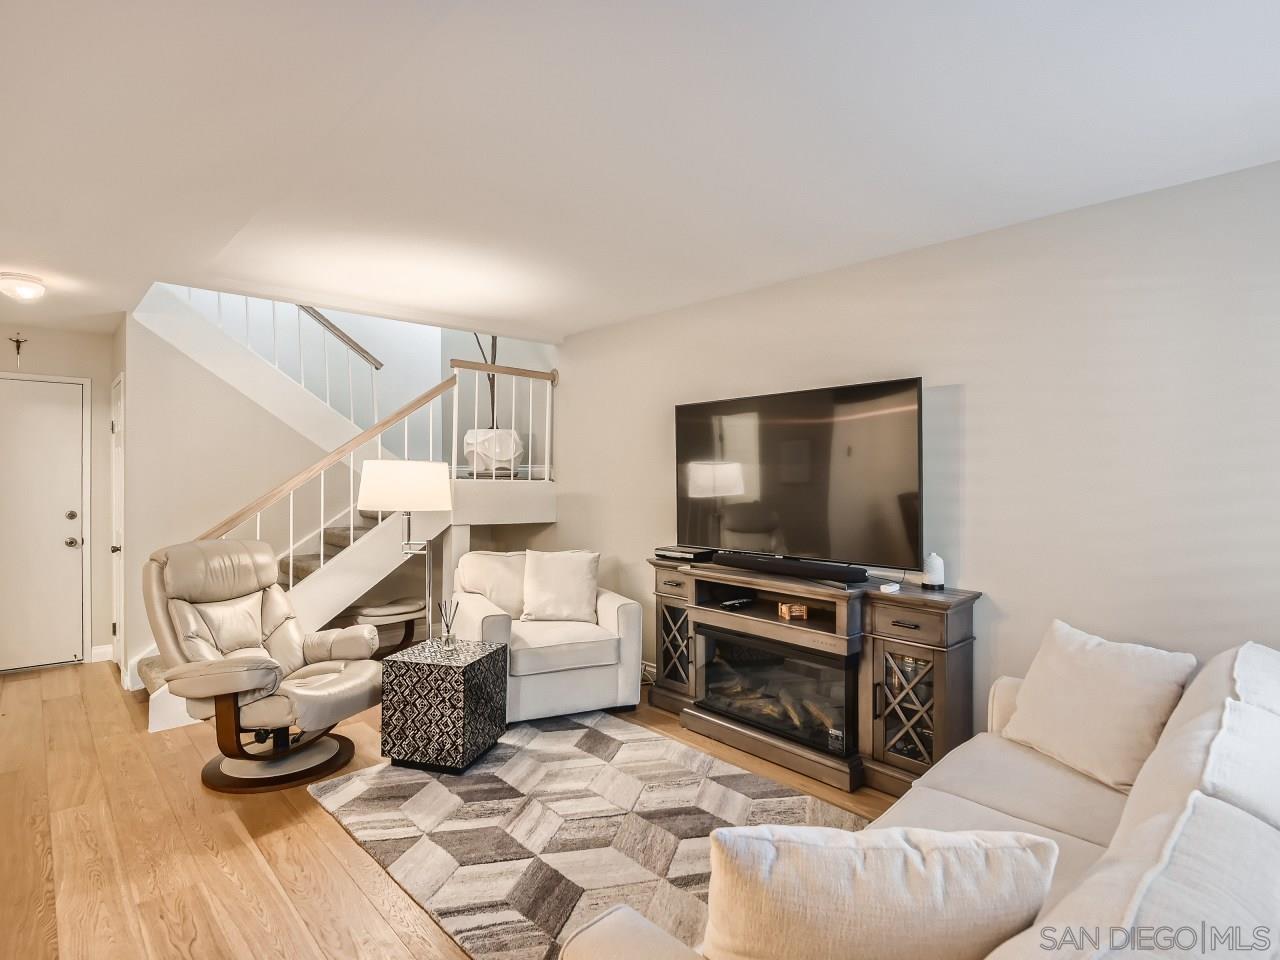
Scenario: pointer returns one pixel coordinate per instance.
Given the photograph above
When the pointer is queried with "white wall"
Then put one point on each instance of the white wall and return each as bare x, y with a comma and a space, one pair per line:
66, 354
1102, 390
196, 450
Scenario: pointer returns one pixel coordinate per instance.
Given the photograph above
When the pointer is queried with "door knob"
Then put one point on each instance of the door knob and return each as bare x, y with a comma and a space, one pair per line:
115, 549
71, 542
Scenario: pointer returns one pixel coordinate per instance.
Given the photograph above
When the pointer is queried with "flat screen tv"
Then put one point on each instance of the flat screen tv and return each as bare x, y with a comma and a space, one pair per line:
833, 474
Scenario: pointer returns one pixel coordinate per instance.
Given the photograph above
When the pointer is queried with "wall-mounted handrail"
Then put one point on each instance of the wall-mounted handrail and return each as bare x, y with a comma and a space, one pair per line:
342, 335
285, 489
550, 375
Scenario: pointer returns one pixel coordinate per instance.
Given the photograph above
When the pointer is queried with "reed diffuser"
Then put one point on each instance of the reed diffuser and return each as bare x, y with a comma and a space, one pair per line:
447, 614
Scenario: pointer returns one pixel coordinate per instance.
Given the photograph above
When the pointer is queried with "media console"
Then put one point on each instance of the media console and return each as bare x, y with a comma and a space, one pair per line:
870, 688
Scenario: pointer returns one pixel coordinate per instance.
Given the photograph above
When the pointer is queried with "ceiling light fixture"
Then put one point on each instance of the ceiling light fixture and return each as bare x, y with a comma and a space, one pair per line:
21, 286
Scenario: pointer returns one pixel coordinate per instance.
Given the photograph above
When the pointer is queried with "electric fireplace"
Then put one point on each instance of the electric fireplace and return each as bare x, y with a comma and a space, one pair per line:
803, 695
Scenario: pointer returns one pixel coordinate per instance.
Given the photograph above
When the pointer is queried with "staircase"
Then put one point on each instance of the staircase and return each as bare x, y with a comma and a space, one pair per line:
330, 553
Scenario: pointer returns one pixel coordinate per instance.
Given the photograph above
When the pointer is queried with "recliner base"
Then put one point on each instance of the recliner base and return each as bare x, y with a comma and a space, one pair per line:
319, 758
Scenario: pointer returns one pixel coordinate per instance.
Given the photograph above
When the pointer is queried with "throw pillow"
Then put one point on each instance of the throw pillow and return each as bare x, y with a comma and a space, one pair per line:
561, 585
1097, 706
827, 894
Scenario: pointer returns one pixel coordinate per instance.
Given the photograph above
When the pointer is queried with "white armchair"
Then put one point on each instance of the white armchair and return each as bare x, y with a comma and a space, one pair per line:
553, 667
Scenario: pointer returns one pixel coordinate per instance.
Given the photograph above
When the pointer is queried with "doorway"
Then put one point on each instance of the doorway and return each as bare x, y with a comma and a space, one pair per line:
44, 505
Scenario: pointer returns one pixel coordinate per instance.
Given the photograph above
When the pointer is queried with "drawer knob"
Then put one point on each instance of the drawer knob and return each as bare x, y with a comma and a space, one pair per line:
905, 624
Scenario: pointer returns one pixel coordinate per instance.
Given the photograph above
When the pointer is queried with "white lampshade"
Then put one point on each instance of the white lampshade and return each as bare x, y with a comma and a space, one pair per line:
716, 478
393, 486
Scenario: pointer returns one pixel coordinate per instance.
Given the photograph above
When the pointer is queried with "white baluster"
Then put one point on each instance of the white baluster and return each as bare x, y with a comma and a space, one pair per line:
275, 337
257, 526
246, 323
530, 380
219, 309
373, 393
302, 363
290, 539
513, 421
453, 437
322, 518
406, 438
547, 439
351, 496
431, 432
325, 337
351, 394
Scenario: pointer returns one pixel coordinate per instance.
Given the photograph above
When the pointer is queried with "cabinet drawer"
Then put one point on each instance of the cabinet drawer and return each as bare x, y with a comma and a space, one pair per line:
891, 620
672, 584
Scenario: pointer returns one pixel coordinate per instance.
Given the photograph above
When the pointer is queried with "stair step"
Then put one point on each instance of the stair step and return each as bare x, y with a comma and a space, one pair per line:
304, 564
341, 536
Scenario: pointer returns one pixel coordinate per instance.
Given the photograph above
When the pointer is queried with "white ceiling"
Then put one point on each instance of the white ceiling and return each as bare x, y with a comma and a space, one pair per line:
541, 168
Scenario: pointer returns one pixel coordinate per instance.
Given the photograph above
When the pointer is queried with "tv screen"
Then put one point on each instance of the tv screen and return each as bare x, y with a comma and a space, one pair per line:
829, 474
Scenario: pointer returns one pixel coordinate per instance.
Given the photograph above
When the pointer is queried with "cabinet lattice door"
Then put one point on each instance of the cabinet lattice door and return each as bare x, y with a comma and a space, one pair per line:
673, 648
907, 708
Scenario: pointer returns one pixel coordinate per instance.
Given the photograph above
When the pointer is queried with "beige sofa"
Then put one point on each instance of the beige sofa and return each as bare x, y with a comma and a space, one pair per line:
1197, 840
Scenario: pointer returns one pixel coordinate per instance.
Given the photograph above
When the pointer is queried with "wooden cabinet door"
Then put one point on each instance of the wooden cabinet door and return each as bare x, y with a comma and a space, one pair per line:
907, 681
675, 648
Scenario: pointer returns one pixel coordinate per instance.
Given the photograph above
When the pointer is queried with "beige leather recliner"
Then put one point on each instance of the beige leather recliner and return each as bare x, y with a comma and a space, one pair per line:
233, 649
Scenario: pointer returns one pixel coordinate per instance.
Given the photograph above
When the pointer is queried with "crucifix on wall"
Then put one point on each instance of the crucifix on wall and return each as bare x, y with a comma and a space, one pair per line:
17, 342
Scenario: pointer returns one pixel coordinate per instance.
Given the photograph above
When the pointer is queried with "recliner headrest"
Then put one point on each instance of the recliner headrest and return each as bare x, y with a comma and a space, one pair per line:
205, 571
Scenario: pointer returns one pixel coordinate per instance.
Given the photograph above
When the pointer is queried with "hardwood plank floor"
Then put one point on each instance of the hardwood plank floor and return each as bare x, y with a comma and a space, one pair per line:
110, 846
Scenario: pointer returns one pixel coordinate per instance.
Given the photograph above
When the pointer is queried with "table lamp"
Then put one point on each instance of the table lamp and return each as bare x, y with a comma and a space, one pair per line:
408, 486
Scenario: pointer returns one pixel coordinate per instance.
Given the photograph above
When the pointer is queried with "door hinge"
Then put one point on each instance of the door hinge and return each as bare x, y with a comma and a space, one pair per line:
113, 628
113, 426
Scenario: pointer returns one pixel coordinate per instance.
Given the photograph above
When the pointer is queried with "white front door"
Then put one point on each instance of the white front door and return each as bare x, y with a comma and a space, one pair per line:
41, 522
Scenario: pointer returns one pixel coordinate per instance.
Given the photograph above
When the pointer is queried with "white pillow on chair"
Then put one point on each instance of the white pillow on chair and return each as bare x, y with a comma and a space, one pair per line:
1095, 705
823, 894
560, 585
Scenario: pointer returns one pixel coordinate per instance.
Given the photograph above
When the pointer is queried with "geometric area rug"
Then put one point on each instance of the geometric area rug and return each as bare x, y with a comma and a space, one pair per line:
560, 820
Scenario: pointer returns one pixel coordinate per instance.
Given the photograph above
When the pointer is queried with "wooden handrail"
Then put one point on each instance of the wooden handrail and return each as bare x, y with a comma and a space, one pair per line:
341, 334
552, 375
281, 491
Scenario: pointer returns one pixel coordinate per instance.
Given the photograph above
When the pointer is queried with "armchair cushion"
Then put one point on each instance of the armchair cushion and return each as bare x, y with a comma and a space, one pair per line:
253, 675
498, 577
560, 585
551, 646
356, 642
479, 618
318, 696
901, 892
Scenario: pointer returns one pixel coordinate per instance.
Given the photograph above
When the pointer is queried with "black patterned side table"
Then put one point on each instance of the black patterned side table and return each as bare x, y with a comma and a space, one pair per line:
440, 710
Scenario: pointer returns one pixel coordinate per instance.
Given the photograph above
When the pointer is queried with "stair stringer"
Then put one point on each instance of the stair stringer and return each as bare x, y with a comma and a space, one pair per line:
359, 568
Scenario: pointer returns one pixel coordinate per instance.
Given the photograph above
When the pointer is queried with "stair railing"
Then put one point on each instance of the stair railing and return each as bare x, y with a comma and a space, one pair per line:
520, 384
312, 492
235, 315
325, 493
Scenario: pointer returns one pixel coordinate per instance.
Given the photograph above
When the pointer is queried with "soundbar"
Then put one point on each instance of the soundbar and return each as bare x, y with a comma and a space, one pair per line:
793, 567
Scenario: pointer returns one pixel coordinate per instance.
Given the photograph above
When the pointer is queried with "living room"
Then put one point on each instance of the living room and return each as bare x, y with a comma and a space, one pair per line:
494, 364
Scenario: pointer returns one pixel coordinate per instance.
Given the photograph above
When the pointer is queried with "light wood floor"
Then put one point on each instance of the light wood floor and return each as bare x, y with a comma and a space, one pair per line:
110, 847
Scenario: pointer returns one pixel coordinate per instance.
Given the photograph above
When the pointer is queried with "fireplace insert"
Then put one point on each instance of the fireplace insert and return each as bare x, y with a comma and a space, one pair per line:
803, 695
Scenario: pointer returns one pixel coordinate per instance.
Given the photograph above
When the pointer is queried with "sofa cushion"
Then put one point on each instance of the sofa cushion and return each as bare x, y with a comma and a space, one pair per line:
935, 810
548, 646
499, 577
822, 893
1257, 676
1025, 783
1097, 706
560, 585
1210, 864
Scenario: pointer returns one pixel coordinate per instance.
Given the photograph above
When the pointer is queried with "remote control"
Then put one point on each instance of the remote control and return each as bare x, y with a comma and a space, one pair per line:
734, 604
